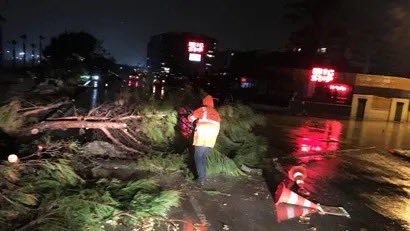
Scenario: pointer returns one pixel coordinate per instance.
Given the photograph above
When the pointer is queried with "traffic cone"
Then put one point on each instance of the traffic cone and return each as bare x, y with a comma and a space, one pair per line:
286, 212
298, 174
284, 195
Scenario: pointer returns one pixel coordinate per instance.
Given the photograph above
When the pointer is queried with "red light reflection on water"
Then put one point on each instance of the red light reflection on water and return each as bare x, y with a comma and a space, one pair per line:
316, 137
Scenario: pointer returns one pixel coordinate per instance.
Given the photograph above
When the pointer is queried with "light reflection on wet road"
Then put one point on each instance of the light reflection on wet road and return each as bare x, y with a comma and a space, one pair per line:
369, 176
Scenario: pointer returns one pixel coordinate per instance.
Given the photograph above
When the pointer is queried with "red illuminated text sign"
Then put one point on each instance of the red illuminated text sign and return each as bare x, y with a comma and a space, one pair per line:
339, 87
322, 75
196, 47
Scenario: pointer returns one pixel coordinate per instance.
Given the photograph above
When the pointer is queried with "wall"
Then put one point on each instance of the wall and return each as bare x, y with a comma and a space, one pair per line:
381, 81
380, 108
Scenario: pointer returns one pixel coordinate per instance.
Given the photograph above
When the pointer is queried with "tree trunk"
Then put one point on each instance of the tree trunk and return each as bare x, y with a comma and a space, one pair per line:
64, 125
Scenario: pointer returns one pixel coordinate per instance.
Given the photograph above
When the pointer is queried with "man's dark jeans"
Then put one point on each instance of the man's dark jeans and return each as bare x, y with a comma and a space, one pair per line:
200, 162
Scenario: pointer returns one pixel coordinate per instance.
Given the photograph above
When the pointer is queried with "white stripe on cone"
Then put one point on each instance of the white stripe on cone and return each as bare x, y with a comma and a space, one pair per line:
307, 203
293, 198
290, 212
296, 174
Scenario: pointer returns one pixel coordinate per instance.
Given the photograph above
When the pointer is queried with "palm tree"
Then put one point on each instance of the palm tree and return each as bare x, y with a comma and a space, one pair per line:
14, 43
33, 53
24, 38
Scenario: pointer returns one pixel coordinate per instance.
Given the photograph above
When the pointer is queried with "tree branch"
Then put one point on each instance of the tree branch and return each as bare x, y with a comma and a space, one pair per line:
44, 108
64, 125
117, 142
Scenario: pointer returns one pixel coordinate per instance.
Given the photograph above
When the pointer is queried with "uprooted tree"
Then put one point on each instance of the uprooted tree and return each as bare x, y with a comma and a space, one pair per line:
142, 126
50, 190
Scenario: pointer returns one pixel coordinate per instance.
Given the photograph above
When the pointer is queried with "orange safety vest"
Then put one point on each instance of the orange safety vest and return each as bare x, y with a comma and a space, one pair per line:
207, 127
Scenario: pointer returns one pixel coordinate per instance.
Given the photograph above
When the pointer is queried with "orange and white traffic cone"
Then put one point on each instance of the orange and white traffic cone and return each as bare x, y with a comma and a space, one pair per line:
298, 174
286, 212
285, 195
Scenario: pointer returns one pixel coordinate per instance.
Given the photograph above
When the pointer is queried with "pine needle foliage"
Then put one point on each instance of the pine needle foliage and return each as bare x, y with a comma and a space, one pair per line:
236, 138
162, 163
221, 164
52, 196
9, 118
160, 129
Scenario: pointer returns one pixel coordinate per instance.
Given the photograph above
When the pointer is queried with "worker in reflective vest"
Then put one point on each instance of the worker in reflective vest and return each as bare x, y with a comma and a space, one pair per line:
206, 131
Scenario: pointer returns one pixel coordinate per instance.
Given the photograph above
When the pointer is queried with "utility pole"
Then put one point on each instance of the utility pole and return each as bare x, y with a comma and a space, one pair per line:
40, 47
33, 54
24, 38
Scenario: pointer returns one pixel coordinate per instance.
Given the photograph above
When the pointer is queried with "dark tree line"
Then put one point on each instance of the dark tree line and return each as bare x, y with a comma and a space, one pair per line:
71, 50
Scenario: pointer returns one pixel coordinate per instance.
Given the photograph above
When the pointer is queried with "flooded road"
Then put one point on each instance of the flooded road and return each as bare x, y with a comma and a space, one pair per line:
348, 165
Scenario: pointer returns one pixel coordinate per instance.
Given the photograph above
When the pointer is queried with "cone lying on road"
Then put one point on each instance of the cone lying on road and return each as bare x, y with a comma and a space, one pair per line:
285, 212
298, 174
284, 195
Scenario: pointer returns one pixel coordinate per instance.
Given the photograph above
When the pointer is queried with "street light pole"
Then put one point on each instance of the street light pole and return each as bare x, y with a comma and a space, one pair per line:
33, 53
14, 43
24, 37
40, 47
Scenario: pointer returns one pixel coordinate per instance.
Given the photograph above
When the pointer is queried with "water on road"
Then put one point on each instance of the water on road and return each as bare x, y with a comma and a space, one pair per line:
349, 165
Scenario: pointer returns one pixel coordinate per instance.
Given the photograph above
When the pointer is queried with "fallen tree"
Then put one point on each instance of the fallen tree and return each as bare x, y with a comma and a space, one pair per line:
117, 123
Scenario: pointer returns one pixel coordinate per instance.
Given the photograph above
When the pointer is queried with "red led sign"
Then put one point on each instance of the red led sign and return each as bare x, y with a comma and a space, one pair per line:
339, 87
322, 75
196, 47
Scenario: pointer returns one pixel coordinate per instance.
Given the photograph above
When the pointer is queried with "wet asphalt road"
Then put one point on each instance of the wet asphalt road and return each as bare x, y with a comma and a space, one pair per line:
348, 165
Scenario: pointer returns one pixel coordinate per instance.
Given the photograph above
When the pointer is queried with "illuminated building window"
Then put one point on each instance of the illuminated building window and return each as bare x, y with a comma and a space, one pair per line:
322, 50
194, 57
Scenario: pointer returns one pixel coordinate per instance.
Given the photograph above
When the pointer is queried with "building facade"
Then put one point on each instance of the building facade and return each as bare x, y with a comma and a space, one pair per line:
181, 54
381, 98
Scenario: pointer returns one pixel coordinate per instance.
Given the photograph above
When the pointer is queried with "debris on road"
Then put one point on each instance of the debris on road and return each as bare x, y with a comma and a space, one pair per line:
250, 170
400, 152
216, 193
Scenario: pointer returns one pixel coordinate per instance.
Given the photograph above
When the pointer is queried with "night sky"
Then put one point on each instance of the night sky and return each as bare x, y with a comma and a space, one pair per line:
125, 26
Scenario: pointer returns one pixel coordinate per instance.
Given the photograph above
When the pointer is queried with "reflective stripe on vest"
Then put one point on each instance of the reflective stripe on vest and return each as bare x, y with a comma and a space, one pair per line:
204, 118
208, 121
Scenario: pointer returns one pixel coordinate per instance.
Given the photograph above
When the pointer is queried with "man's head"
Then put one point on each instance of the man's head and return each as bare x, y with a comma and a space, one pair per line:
208, 101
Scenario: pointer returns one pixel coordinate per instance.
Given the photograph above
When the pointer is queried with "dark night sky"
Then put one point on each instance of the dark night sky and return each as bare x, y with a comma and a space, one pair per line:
126, 25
